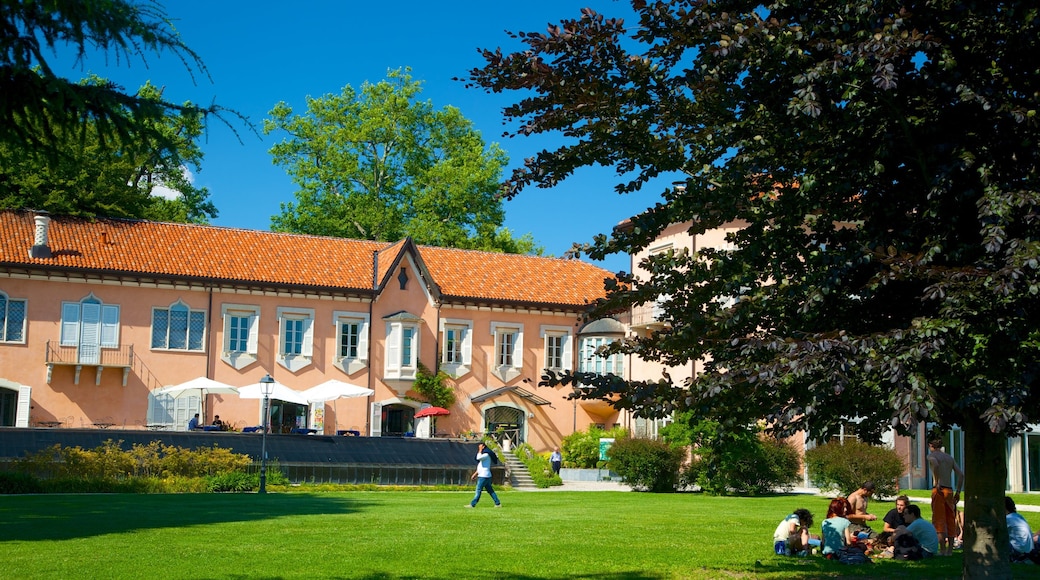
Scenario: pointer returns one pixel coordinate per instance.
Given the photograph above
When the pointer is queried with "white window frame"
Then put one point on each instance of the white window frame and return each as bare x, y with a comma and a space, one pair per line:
240, 359
179, 305
72, 329
590, 362
351, 365
5, 319
566, 336
395, 366
304, 319
515, 363
464, 365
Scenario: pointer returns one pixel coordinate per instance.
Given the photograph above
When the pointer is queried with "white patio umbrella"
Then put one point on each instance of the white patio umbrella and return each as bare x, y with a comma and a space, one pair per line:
204, 385
279, 391
333, 390
207, 385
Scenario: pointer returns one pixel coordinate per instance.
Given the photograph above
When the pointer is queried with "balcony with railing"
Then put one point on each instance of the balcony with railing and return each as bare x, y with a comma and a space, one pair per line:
648, 318
79, 356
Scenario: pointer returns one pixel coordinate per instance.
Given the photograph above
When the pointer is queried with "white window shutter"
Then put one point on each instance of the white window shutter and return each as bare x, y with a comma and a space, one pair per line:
518, 349
568, 354
69, 324
467, 346
254, 333
362, 349
109, 326
377, 420
393, 349
21, 418
308, 338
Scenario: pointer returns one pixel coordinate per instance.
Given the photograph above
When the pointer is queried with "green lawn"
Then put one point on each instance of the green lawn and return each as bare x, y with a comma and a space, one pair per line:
389, 535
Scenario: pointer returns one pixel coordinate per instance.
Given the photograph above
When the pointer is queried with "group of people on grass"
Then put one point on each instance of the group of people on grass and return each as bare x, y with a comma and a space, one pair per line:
846, 535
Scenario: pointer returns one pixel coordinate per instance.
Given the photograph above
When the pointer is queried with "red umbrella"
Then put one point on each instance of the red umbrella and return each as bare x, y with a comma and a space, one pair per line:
432, 412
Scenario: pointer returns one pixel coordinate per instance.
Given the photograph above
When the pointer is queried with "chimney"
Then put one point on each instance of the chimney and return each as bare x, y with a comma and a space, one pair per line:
40, 248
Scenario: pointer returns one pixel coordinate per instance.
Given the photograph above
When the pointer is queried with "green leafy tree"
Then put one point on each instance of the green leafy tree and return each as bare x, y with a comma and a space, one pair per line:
379, 164
880, 161
88, 179
41, 110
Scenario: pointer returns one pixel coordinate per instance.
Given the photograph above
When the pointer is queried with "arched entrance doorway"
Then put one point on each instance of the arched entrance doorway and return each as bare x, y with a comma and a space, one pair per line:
397, 420
505, 424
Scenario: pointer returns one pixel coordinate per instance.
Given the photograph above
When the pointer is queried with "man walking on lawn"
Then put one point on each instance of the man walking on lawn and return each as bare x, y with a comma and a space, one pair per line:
944, 498
483, 476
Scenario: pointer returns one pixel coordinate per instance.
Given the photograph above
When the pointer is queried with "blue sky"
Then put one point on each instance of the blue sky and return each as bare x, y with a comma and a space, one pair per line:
261, 52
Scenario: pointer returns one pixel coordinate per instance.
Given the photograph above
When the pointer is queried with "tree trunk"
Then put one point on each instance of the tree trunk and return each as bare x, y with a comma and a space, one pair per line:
986, 547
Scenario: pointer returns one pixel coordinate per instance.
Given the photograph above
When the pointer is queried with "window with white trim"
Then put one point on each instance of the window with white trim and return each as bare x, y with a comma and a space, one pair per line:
12, 319
351, 330
456, 346
89, 325
178, 327
295, 337
589, 361
402, 348
508, 358
241, 328
557, 342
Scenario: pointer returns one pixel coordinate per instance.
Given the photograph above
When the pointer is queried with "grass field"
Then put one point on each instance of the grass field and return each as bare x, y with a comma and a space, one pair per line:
390, 535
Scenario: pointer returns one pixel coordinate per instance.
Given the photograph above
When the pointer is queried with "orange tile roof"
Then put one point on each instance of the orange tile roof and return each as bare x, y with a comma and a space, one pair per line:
156, 249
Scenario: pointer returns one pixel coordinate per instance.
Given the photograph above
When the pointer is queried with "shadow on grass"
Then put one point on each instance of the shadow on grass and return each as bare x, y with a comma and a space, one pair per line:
62, 517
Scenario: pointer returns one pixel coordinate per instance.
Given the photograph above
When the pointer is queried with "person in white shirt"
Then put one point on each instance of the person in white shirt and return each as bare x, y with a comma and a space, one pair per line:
1019, 534
556, 459
483, 476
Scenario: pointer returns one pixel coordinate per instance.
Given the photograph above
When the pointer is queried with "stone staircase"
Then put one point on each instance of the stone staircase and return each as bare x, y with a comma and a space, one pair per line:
516, 472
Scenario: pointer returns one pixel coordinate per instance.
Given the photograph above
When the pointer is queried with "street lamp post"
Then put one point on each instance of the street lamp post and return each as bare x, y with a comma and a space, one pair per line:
266, 388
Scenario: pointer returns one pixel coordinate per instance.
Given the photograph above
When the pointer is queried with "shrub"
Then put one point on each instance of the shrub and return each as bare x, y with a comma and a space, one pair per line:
843, 467
646, 464
435, 388
581, 448
735, 460
538, 466
17, 483
151, 468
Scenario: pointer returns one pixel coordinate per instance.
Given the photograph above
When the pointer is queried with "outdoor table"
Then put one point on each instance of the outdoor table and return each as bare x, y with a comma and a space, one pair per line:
103, 425
157, 427
351, 432
304, 431
49, 424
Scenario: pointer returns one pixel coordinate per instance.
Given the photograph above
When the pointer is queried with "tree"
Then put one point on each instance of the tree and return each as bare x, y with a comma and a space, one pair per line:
882, 160
86, 178
380, 165
40, 110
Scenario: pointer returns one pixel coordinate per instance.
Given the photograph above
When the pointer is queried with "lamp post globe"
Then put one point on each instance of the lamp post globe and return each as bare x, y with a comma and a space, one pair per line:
266, 388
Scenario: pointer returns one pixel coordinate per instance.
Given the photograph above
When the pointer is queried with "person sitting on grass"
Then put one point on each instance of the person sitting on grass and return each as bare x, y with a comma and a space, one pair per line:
1023, 545
893, 519
835, 529
922, 530
792, 534
859, 516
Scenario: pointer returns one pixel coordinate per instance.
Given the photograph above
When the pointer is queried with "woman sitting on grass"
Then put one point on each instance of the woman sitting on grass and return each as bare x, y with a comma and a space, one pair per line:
792, 535
836, 532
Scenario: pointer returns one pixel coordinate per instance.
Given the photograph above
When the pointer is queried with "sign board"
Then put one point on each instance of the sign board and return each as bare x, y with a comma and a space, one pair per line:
604, 447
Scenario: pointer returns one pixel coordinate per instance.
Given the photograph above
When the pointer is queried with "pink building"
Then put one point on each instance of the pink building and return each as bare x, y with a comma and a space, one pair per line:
97, 316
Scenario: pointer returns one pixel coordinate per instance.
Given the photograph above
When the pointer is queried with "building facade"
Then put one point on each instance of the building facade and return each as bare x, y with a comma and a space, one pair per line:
97, 316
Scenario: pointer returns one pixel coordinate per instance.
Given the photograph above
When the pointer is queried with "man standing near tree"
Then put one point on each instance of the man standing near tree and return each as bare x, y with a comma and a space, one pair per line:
944, 498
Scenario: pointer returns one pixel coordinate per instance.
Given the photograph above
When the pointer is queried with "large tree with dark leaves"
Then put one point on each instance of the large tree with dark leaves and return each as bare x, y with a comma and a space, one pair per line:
882, 160
39, 107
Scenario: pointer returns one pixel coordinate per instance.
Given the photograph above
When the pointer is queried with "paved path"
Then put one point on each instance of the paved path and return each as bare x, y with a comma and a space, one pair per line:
585, 486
